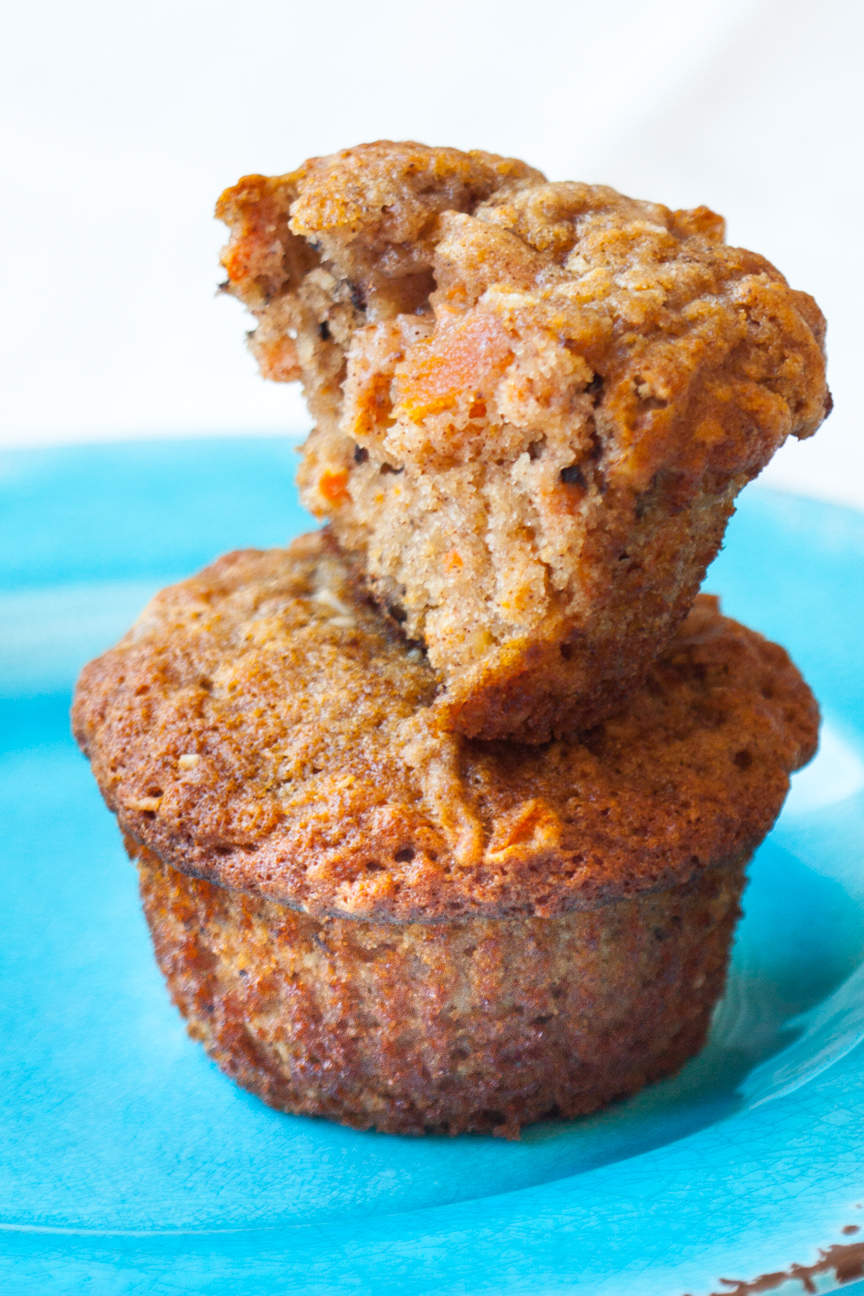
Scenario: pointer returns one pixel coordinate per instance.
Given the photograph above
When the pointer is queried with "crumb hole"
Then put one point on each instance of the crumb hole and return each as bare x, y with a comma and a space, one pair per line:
324, 331
361, 454
743, 759
372, 866
405, 855
573, 476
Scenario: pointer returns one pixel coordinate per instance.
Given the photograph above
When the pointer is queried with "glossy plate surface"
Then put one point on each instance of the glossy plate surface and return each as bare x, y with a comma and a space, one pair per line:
129, 1164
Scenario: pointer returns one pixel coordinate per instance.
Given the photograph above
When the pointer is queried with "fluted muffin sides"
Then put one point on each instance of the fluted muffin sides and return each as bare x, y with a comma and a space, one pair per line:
480, 1024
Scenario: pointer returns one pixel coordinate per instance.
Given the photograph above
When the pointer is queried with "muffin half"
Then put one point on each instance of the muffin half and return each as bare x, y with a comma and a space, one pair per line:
535, 406
367, 916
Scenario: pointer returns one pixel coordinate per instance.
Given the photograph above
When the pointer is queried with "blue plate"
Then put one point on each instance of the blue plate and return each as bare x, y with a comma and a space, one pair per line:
130, 1164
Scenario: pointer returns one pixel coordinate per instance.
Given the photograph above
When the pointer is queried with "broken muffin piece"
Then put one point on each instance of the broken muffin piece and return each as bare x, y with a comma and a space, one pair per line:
535, 405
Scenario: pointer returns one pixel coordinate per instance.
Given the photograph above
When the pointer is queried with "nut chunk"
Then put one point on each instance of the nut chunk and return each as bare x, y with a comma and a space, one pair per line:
535, 405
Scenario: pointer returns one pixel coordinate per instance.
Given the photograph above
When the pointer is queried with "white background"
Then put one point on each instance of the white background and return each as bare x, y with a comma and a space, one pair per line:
122, 123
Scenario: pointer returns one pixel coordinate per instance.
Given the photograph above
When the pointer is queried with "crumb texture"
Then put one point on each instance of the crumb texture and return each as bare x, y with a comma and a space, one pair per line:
265, 726
473, 1025
535, 404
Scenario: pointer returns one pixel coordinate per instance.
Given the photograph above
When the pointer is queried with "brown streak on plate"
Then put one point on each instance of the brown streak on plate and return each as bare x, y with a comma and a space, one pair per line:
846, 1261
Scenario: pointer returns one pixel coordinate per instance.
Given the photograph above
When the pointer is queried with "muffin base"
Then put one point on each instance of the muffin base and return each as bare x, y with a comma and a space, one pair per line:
478, 1024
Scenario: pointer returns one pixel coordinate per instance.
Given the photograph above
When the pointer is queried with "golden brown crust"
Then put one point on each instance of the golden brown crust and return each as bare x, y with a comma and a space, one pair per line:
265, 727
473, 1025
535, 405
371, 210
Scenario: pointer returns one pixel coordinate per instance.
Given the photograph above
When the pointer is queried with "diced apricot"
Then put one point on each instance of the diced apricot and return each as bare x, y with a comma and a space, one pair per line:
371, 404
461, 358
334, 486
532, 821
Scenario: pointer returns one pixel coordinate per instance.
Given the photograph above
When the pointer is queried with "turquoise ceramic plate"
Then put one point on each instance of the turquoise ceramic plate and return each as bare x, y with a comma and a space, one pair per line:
129, 1164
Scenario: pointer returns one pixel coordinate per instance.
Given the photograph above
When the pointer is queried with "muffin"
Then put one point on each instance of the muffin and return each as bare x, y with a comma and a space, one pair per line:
535, 405
365, 915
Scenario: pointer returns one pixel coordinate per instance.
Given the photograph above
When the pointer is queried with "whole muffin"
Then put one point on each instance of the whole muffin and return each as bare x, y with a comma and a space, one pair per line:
367, 916
535, 406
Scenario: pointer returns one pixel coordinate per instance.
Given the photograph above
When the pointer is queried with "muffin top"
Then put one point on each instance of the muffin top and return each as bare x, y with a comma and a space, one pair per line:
520, 389
264, 726
689, 353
